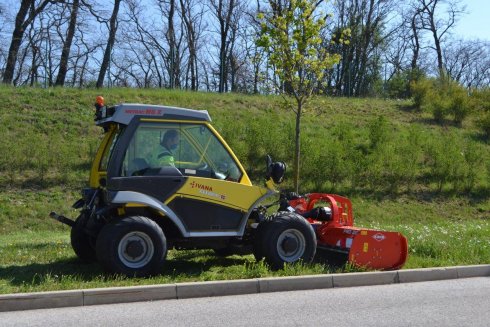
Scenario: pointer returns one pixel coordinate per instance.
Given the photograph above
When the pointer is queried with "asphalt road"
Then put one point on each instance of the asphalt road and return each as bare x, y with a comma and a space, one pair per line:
460, 302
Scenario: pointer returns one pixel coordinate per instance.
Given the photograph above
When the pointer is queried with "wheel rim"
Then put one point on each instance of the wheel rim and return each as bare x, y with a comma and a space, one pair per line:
136, 249
291, 245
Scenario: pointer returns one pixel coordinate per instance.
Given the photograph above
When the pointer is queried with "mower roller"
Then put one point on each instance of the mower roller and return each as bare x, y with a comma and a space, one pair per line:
163, 178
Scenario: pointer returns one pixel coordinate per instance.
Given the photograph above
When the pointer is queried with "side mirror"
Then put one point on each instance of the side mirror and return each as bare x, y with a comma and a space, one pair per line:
275, 170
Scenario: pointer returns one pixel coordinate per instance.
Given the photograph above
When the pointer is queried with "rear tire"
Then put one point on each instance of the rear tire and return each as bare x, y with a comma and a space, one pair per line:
83, 244
286, 238
133, 246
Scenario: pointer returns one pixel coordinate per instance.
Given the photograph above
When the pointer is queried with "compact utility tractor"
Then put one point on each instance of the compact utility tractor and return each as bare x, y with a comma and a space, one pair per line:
163, 178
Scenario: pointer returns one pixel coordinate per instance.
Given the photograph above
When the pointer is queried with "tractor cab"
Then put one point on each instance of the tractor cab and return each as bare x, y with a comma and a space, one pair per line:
140, 134
203, 189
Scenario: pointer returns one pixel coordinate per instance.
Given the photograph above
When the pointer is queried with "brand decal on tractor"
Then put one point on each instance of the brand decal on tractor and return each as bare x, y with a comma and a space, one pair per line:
202, 186
154, 112
379, 237
207, 190
214, 195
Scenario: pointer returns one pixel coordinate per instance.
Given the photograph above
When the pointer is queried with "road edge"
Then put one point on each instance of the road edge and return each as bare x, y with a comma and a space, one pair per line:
112, 295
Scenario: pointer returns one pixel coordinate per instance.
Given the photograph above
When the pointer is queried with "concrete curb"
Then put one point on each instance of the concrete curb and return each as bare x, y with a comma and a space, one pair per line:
59, 299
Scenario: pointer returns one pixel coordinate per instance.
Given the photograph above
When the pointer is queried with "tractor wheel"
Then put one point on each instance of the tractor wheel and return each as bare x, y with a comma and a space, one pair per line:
259, 240
83, 244
133, 246
287, 238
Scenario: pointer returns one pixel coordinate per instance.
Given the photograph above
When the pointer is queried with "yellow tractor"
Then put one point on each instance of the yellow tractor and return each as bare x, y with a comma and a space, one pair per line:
139, 203
163, 178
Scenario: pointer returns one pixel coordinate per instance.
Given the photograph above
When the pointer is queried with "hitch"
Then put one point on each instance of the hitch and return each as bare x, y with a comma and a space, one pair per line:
62, 219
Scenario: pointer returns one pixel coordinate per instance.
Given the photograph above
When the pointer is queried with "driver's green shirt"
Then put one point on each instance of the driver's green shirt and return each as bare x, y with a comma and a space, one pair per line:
166, 159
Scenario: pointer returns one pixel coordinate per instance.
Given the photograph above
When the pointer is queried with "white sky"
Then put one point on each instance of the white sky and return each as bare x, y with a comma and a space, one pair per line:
476, 23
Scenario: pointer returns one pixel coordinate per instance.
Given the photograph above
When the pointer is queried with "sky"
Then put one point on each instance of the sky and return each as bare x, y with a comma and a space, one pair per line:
476, 23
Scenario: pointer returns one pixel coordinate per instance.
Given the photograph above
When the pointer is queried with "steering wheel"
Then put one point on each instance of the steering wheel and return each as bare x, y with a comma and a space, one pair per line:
203, 166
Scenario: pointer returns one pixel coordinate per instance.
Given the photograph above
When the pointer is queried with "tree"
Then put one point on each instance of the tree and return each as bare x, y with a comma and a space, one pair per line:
359, 68
291, 33
110, 43
224, 10
438, 25
65, 53
28, 11
193, 26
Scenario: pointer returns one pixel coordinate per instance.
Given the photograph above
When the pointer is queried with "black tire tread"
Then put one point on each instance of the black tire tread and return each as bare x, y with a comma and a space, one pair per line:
81, 242
272, 228
109, 236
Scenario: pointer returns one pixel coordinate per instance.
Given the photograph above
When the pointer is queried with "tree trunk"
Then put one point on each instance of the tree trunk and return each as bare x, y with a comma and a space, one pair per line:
297, 147
17, 36
65, 53
110, 43
437, 43
171, 44
416, 48
191, 42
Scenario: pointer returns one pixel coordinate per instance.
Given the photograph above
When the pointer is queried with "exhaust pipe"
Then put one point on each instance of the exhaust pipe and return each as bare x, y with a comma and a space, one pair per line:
62, 219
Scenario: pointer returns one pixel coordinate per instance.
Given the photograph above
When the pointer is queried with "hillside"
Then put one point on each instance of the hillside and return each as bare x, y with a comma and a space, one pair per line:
402, 171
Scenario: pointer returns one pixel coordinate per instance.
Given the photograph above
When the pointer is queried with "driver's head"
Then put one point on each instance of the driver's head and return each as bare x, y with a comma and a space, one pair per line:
170, 139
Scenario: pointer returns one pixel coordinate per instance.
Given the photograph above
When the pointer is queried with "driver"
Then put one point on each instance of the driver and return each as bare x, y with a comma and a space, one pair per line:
170, 142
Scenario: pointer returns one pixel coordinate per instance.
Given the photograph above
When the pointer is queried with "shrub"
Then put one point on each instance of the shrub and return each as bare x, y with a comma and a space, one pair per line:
379, 132
439, 106
442, 97
398, 86
446, 161
459, 103
484, 124
480, 100
473, 156
420, 90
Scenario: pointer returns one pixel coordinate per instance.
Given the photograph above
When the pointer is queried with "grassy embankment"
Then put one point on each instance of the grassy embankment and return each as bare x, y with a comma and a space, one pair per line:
402, 171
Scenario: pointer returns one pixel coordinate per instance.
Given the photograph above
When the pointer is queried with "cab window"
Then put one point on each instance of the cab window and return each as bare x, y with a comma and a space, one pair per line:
104, 162
191, 148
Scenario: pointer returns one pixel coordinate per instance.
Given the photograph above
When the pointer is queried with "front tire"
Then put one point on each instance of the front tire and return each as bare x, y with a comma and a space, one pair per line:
83, 244
287, 238
133, 246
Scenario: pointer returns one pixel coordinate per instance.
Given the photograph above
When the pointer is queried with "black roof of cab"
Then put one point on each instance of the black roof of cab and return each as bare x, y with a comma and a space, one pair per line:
125, 112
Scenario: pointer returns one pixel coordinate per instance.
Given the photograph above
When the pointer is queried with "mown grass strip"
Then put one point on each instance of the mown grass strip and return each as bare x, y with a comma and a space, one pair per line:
44, 261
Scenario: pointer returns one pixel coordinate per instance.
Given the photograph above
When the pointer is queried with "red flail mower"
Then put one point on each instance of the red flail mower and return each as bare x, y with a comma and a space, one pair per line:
334, 228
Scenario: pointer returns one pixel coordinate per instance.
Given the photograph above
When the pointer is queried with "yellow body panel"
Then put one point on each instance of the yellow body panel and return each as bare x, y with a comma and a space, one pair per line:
95, 172
229, 194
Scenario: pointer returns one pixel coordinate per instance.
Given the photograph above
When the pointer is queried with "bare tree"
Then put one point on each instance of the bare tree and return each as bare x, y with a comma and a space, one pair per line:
468, 62
223, 10
193, 29
65, 54
168, 10
360, 63
438, 24
113, 24
28, 11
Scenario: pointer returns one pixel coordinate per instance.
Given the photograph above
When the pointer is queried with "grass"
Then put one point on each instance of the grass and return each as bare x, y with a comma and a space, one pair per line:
45, 261
402, 171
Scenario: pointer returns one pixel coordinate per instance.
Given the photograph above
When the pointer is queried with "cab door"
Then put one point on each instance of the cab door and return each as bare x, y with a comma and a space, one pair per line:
217, 195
